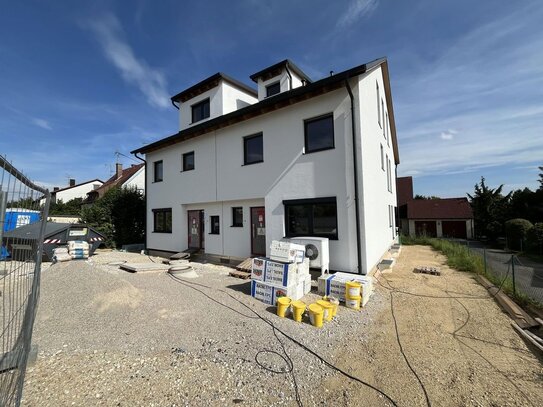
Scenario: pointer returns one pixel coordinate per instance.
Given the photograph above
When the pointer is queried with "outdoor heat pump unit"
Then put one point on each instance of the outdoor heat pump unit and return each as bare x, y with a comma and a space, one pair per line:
316, 250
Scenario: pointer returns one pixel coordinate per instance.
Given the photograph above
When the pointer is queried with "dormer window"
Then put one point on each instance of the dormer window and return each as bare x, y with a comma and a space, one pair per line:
273, 89
200, 111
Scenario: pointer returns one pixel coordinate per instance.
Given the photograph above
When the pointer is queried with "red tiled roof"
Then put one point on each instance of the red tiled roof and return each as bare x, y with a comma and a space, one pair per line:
114, 181
448, 208
404, 189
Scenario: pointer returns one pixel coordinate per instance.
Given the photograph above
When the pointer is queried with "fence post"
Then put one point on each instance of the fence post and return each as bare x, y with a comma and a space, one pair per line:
513, 271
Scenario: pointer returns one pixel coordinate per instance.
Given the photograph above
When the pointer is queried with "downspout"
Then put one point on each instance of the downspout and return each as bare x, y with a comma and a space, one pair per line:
146, 192
174, 105
289, 77
355, 166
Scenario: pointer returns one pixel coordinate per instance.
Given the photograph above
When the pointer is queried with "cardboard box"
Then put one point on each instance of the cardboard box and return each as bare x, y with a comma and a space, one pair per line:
274, 272
268, 293
334, 285
287, 252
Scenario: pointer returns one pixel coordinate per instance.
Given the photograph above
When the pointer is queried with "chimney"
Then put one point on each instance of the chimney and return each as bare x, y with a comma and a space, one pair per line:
55, 189
118, 169
72, 182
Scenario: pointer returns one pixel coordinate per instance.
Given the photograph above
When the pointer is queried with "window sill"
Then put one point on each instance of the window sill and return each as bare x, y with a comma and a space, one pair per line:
159, 231
216, 234
319, 150
192, 169
256, 162
236, 226
156, 182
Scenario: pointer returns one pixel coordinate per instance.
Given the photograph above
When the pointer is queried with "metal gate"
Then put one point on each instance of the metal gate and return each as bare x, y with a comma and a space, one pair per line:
21, 202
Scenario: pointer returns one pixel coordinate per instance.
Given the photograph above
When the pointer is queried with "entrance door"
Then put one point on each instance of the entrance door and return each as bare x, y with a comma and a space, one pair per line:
196, 229
258, 231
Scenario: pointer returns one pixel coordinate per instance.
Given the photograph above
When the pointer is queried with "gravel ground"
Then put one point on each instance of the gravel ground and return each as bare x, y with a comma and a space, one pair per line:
108, 337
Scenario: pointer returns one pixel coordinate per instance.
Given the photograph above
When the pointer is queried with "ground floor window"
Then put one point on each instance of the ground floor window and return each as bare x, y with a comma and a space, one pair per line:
162, 220
214, 227
237, 216
311, 217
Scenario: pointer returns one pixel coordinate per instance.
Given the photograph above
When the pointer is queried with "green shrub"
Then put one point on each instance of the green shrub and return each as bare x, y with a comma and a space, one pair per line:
535, 239
516, 231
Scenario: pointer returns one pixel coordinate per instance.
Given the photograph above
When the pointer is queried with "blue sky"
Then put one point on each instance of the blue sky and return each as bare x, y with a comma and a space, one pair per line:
82, 80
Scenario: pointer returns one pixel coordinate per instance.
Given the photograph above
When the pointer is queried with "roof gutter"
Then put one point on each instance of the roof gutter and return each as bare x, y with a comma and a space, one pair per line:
146, 192
355, 171
174, 105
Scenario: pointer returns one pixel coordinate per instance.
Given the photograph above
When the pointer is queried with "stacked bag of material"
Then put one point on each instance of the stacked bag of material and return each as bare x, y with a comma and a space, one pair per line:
336, 285
61, 254
284, 274
78, 249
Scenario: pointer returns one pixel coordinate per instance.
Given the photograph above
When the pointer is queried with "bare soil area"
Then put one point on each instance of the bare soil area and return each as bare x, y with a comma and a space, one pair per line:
112, 338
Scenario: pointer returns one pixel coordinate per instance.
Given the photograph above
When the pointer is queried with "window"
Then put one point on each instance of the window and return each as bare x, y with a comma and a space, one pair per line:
390, 215
162, 220
158, 174
215, 228
311, 217
383, 113
382, 158
378, 105
188, 161
200, 111
237, 217
388, 173
273, 89
253, 150
319, 134
387, 129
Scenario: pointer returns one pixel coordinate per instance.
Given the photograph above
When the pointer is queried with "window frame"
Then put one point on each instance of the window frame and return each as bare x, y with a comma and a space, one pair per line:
202, 102
183, 162
387, 129
315, 119
155, 164
245, 140
382, 157
378, 104
276, 83
166, 229
388, 173
234, 223
212, 230
383, 114
312, 202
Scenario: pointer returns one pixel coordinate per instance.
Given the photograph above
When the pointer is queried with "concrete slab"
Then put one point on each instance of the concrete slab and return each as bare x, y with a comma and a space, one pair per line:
144, 267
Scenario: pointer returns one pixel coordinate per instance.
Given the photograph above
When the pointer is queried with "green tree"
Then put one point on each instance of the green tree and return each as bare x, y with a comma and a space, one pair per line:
540, 179
72, 207
418, 196
517, 231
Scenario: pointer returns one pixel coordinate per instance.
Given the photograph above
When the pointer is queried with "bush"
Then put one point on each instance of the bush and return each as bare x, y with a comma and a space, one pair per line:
535, 239
516, 231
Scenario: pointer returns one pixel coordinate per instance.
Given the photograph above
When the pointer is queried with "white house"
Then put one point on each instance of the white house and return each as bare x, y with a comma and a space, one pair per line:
132, 177
294, 158
73, 191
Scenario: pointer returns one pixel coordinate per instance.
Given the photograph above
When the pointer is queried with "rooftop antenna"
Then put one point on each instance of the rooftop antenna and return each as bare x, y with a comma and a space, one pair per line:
331, 73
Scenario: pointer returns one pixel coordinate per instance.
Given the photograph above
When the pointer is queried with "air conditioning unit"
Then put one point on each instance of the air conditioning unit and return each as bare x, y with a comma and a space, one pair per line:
316, 250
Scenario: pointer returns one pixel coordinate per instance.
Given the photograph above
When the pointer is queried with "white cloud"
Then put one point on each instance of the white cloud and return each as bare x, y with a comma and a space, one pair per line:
357, 10
151, 82
448, 135
44, 124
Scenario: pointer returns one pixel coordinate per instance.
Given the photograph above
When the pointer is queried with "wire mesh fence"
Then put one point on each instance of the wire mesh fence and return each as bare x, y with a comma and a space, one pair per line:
21, 203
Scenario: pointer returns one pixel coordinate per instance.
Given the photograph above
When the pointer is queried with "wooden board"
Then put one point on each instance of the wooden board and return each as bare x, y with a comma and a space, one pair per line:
240, 274
144, 267
245, 265
427, 270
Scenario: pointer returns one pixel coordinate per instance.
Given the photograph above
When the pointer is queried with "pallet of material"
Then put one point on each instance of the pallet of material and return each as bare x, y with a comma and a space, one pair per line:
144, 267
240, 274
427, 270
246, 265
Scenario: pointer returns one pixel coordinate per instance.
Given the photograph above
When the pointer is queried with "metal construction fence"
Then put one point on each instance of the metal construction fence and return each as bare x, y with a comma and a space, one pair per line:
21, 202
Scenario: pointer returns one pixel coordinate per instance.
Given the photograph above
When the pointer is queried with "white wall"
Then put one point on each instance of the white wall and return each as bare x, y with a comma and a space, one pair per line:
79, 191
284, 82
137, 180
233, 98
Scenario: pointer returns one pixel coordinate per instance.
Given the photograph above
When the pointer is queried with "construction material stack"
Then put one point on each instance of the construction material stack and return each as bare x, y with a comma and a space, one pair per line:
284, 274
78, 249
335, 285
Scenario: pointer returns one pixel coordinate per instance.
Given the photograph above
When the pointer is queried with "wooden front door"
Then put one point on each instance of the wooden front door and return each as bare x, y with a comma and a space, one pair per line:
195, 229
258, 231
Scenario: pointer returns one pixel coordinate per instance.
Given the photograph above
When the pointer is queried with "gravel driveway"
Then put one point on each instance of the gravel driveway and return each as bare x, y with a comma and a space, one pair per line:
108, 337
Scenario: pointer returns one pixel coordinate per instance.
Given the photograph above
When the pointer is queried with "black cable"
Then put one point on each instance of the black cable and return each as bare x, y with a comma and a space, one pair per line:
301, 345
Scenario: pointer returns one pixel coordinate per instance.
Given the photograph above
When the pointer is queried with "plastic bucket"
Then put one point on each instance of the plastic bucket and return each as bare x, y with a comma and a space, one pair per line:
298, 309
316, 313
353, 303
335, 304
282, 305
328, 309
352, 289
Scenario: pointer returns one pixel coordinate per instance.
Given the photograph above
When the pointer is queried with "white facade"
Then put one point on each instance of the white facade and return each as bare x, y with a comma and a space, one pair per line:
221, 181
137, 180
285, 80
77, 191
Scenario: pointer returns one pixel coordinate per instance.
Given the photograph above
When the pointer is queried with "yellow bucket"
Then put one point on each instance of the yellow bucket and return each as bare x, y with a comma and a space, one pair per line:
335, 304
353, 303
298, 308
282, 305
353, 289
328, 309
316, 313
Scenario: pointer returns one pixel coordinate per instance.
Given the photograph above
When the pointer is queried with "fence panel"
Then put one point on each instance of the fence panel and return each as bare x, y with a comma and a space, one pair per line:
21, 203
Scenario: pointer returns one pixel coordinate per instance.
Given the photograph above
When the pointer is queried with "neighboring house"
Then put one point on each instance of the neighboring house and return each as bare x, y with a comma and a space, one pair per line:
131, 177
248, 167
448, 217
73, 191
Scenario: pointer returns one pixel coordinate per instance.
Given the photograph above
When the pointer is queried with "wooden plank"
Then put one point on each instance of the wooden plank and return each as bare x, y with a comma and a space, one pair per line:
427, 270
246, 265
240, 274
527, 337
144, 267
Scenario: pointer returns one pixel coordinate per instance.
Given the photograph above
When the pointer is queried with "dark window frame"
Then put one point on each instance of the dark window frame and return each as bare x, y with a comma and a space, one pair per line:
164, 227
316, 119
382, 158
378, 104
184, 163
237, 223
311, 203
155, 175
199, 105
245, 140
212, 224
274, 85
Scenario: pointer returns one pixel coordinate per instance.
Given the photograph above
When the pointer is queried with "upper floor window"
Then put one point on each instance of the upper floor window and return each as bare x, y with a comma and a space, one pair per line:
387, 127
382, 158
383, 113
273, 89
162, 220
311, 217
188, 161
158, 171
378, 104
388, 173
200, 111
253, 149
237, 216
319, 133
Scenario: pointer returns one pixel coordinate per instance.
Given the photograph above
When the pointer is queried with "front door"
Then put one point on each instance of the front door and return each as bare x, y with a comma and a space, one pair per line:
196, 229
258, 231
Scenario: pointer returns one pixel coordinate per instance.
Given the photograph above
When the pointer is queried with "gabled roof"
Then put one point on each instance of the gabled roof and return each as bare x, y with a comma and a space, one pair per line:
448, 208
126, 174
281, 100
276, 69
210, 83
404, 190
77, 185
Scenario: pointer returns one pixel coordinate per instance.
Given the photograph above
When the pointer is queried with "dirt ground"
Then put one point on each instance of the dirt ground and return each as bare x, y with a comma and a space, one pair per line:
107, 337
